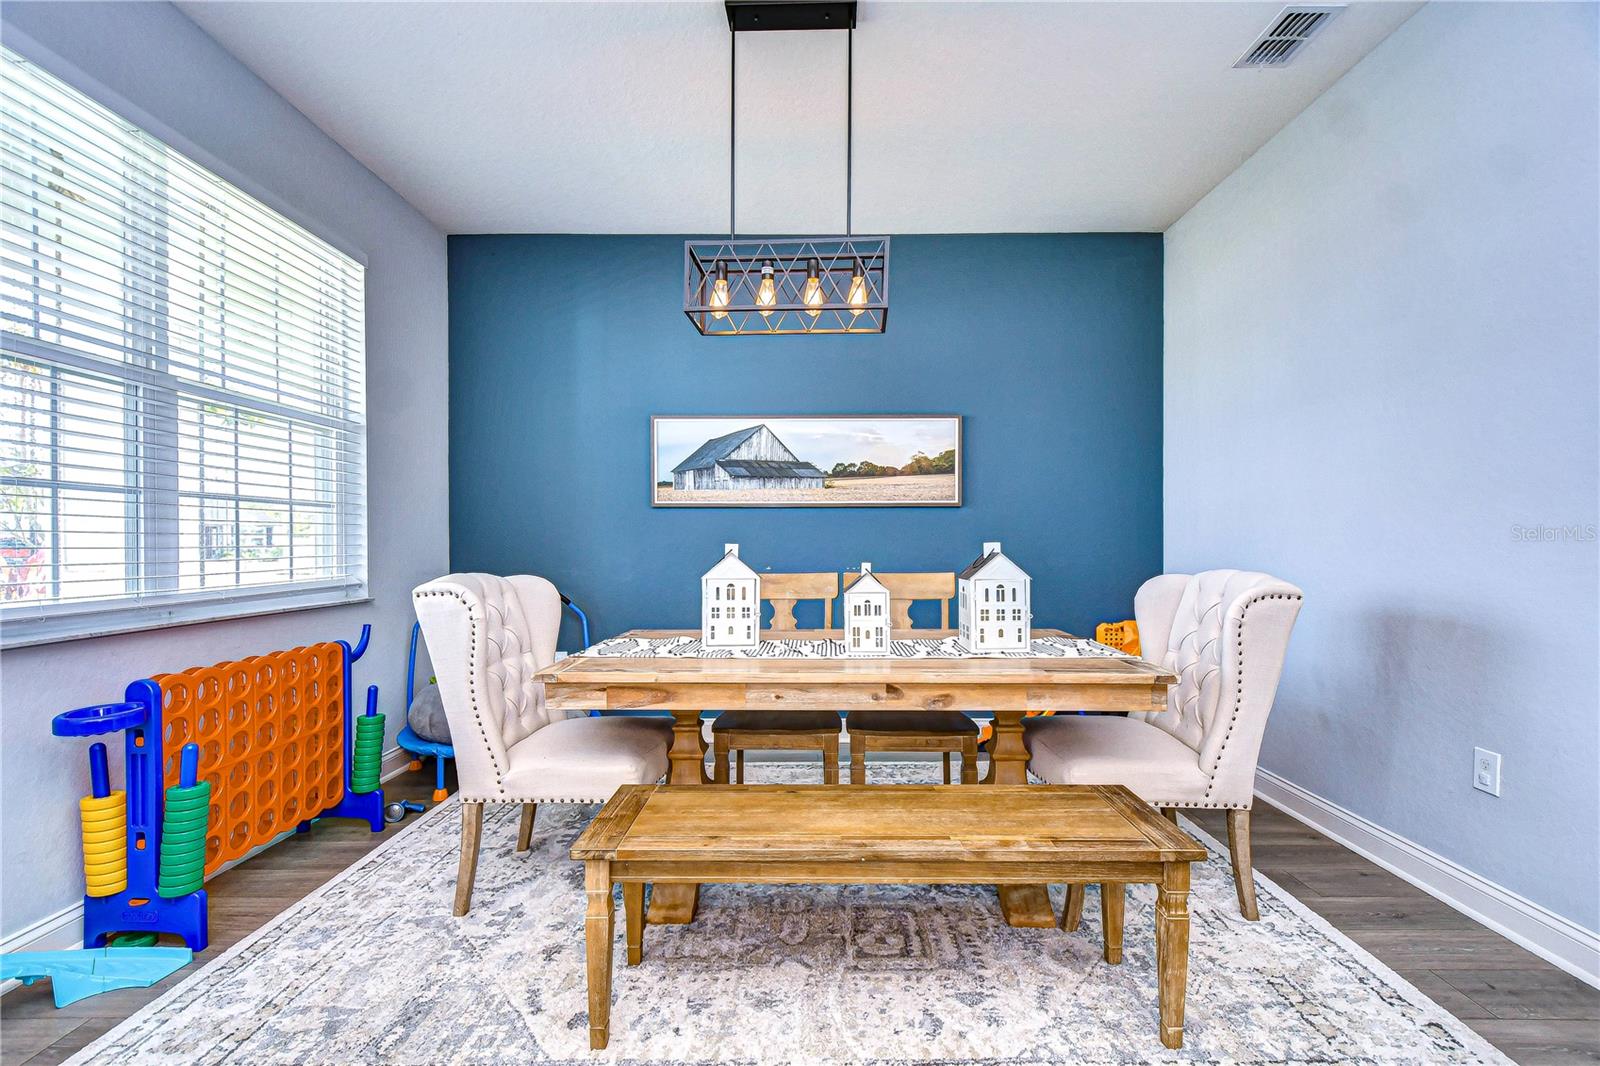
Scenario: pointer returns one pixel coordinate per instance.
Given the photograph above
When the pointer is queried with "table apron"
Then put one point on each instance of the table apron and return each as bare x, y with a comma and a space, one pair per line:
884, 873
697, 696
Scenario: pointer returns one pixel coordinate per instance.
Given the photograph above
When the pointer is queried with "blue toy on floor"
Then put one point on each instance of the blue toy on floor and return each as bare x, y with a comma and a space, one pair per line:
75, 975
437, 750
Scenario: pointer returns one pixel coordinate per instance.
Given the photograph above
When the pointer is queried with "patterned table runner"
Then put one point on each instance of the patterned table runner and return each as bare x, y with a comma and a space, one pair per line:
828, 648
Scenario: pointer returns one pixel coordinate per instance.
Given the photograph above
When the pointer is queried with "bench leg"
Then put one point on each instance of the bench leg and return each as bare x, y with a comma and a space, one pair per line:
738, 758
946, 757
633, 912
1112, 899
858, 761
830, 761
969, 761
1172, 949
598, 931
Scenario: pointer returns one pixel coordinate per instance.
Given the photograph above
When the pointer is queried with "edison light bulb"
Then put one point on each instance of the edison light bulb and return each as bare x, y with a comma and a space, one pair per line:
720, 296
767, 291
811, 295
858, 289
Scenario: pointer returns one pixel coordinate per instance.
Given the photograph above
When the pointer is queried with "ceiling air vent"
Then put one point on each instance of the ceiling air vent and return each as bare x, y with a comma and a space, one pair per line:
1287, 35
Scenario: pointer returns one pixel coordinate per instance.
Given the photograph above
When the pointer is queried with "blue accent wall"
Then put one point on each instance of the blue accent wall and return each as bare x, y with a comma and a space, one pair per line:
1049, 345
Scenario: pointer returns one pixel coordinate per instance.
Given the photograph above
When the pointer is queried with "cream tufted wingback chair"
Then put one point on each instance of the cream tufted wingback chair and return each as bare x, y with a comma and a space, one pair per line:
487, 637
1224, 634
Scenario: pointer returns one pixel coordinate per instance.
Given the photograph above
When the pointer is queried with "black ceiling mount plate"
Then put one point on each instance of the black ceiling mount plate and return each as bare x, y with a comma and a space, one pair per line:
746, 15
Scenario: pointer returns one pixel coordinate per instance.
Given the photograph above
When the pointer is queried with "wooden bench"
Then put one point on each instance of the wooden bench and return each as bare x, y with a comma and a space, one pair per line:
885, 834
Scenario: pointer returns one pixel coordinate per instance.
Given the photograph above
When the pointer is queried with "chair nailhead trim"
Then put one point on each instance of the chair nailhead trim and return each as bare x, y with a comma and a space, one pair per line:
1238, 696
472, 683
547, 799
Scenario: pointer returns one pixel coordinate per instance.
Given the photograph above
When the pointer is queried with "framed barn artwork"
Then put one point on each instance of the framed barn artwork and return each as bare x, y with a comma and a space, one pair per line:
805, 461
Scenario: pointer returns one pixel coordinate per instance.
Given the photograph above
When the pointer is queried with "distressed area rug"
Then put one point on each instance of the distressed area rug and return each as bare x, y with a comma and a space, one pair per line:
372, 968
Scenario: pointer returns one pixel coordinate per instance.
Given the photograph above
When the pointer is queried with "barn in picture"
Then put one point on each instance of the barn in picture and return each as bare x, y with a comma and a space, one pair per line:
750, 458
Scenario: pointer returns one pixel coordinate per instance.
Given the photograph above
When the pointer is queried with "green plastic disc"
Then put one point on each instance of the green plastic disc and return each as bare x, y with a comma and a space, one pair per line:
178, 840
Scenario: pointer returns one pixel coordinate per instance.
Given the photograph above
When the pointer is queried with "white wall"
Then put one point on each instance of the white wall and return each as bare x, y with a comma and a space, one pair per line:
1380, 363
149, 63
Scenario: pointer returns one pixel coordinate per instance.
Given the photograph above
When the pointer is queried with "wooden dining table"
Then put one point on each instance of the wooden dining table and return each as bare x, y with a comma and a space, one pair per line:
1007, 688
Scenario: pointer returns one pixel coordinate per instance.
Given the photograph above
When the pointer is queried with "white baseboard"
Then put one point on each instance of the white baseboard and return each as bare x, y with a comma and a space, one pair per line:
1548, 935
63, 930
53, 932
395, 762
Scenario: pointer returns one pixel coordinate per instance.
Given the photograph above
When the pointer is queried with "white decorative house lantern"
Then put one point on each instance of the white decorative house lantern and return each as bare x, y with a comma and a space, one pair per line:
730, 603
995, 604
866, 616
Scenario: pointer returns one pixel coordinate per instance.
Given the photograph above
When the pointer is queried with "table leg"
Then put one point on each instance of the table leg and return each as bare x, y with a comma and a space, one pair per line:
1172, 949
1112, 899
1008, 755
687, 756
598, 930
633, 913
1023, 905
675, 904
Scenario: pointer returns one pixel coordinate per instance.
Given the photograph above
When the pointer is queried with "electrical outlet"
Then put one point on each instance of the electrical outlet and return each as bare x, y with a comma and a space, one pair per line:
1486, 771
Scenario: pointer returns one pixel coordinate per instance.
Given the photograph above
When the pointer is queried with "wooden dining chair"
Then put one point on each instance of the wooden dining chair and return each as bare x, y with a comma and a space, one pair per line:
738, 731
889, 730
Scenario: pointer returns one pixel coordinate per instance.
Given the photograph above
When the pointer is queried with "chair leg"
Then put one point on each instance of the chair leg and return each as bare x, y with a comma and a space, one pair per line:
1244, 878
1072, 912
719, 760
471, 833
969, 761
739, 758
830, 761
525, 830
858, 762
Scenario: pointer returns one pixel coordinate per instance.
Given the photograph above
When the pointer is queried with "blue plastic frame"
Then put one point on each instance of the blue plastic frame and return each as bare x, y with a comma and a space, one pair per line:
367, 805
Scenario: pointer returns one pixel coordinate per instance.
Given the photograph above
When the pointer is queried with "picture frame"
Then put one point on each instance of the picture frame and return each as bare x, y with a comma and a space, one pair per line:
806, 460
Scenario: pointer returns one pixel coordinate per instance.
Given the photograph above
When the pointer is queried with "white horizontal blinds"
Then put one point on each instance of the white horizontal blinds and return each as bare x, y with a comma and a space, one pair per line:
181, 382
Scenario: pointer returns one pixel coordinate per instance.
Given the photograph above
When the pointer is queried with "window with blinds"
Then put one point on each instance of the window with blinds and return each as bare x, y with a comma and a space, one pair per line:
182, 427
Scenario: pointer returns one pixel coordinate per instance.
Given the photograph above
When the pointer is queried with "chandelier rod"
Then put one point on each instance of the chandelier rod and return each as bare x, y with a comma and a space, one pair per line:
849, 118
849, 126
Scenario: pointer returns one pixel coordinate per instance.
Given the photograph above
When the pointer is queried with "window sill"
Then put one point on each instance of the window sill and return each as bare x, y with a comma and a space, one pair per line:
62, 629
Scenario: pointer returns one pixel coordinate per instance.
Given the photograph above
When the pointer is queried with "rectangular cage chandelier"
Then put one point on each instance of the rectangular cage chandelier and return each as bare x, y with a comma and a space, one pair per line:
739, 287
744, 286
